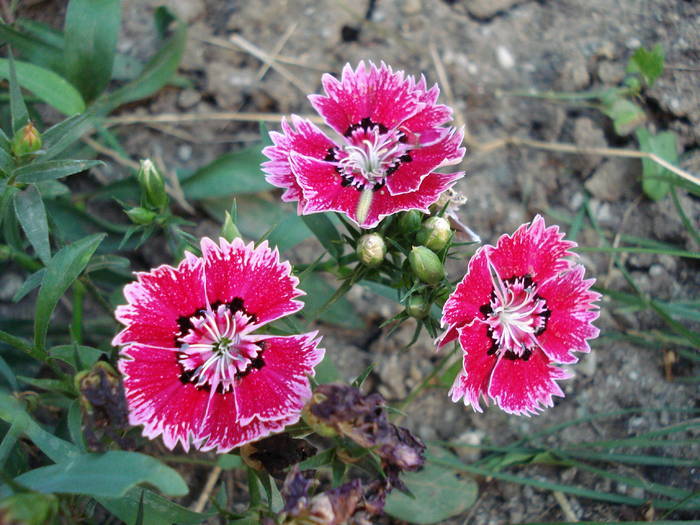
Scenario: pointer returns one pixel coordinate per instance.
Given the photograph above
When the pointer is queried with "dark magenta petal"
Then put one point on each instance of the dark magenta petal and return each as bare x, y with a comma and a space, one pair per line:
533, 250
281, 386
525, 387
157, 300
424, 160
302, 137
376, 93
570, 302
473, 292
255, 276
157, 399
471, 383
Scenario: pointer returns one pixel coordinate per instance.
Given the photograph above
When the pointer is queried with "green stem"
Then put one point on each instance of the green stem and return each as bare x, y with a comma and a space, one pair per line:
21, 344
424, 384
26, 261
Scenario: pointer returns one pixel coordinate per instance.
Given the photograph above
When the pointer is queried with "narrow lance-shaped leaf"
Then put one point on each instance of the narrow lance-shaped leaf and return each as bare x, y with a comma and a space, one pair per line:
664, 145
156, 73
91, 31
61, 271
31, 214
45, 84
18, 109
52, 169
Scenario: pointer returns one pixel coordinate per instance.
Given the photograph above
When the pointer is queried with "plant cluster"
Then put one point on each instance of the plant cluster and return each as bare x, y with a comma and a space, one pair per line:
214, 353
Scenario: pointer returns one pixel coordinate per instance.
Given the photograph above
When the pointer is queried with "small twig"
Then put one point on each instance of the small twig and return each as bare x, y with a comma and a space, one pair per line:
573, 148
237, 42
569, 513
112, 154
275, 51
447, 88
618, 237
207, 490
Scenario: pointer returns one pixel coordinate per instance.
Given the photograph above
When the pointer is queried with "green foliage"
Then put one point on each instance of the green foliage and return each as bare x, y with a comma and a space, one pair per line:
648, 63
435, 494
655, 178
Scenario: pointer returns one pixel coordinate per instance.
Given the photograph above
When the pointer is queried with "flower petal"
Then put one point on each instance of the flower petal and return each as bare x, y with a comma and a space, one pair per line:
303, 137
432, 114
157, 399
322, 186
474, 291
533, 250
379, 94
158, 299
425, 159
256, 276
222, 432
570, 301
477, 364
525, 387
281, 386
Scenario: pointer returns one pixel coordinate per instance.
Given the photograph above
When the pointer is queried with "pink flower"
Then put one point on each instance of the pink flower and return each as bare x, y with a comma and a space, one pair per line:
196, 367
522, 307
391, 139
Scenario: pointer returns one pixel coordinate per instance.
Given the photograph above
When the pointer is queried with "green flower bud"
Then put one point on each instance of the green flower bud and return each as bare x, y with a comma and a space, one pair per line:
417, 307
28, 508
152, 185
426, 265
141, 215
435, 233
26, 140
410, 221
229, 230
371, 249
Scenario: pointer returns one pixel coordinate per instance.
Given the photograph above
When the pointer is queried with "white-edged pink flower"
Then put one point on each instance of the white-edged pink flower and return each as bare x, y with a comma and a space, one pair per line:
391, 139
522, 307
197, 365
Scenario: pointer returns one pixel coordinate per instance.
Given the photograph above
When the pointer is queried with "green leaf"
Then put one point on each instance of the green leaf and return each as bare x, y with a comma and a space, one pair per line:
653, 175
31, 215
230, 174
341, 312
156, 73
649, 64
157, 509
78, 356
326, 233
8, 374
626, 115
439, 494
33, 49
18, 109
61, 271
107, 475
52, 169
91, 31
60, 136
46, 85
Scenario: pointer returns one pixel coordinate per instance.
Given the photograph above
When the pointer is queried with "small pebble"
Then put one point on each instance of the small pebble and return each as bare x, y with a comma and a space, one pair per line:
505, 58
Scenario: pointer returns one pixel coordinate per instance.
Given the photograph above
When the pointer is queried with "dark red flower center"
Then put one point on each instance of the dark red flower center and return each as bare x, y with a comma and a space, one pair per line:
515, 316
218, 348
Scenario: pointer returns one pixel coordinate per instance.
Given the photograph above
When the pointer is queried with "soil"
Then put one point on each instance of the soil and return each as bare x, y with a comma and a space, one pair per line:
487, 50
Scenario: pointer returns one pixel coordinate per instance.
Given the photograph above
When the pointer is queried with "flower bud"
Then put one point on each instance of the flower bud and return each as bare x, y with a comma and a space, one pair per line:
152, 185
371, 249
142, 216
435, 233
417, 307
426, 265
26, 140
229, 230
410, 221
28, 508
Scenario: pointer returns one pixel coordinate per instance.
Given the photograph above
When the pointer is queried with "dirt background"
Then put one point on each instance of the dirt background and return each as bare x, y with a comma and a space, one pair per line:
479, 50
